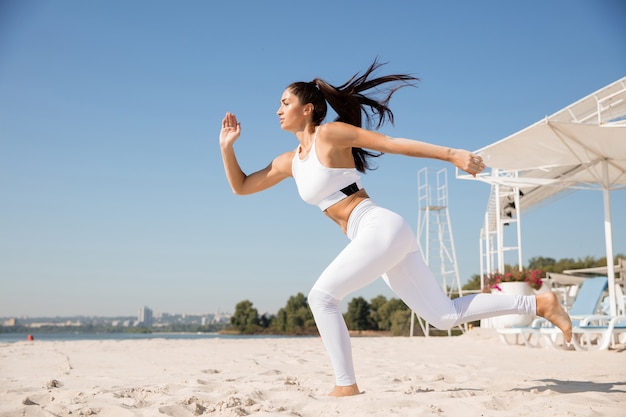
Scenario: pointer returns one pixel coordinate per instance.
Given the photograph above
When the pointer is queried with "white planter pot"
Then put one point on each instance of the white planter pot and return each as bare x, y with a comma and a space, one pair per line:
513, 320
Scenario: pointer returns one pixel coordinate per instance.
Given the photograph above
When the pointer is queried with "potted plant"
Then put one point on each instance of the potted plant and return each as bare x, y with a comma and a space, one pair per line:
524, 282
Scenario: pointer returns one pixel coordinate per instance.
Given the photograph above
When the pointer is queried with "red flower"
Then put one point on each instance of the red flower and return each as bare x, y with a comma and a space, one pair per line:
531, 277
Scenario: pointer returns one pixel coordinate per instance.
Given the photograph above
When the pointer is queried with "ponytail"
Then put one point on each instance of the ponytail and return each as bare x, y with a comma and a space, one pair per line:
351, 104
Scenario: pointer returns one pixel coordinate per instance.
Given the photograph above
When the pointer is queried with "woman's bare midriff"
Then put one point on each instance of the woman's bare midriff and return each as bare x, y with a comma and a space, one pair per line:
340, 212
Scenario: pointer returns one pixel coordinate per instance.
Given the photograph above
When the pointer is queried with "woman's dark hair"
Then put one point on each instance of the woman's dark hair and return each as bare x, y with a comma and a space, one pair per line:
351, 104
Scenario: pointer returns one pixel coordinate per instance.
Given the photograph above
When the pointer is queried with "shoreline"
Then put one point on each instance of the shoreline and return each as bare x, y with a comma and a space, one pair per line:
14, 337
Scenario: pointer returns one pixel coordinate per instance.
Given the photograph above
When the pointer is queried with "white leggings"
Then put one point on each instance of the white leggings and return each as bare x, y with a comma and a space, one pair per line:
383, 244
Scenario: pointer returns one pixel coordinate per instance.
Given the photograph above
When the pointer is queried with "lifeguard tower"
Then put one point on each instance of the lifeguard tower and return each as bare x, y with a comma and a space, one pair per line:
434, 234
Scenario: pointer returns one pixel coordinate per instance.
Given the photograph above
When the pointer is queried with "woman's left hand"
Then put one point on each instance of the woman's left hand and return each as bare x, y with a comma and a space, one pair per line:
467, 161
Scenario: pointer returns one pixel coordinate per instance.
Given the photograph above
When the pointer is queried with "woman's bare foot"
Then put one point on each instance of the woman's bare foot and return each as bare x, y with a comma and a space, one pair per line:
548, 307
344, 391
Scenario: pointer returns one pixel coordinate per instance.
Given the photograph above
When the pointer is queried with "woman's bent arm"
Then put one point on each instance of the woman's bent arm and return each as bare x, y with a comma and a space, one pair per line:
240, 183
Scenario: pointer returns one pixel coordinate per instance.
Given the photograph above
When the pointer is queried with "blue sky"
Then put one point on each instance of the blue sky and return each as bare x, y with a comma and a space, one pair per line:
112, 193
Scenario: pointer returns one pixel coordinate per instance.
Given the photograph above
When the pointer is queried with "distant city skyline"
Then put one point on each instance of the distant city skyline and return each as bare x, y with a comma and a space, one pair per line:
144, 318
118, 316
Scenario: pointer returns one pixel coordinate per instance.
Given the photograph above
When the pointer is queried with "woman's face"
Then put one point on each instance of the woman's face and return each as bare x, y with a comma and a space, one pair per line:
293, 115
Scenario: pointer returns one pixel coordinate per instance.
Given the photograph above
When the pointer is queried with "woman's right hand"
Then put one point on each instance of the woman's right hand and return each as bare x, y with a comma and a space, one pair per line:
231, 129
240, 182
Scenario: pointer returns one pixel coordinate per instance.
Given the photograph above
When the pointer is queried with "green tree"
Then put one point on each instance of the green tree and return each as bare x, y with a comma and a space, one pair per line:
385, 313
265, 320
542, 263
473, 284
245, 318
401, 322
279, 324
358, 315
295, 318
376, 304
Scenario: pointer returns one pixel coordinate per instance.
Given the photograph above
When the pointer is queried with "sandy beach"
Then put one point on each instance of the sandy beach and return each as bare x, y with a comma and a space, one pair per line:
470, 375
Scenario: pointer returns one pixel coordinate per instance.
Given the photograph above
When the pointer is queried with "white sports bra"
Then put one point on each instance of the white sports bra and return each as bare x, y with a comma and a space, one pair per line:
322, 186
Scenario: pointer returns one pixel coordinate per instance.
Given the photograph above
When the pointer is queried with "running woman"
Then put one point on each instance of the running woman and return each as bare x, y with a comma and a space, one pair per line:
327, 165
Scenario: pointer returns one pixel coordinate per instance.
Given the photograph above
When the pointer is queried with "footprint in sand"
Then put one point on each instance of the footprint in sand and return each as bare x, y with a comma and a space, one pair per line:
291, 381
176, 410
462, 393
53, 383
209, 386
271, 372
417, 390
40, 399
432, 378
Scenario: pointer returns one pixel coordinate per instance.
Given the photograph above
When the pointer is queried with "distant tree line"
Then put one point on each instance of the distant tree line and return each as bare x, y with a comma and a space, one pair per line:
379, 314
296, 317
552, 265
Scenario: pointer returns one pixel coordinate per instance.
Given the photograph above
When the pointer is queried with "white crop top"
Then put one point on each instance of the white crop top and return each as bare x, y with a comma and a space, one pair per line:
319, 185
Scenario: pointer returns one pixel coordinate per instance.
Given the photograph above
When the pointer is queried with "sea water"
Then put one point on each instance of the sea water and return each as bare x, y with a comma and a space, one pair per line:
70, 336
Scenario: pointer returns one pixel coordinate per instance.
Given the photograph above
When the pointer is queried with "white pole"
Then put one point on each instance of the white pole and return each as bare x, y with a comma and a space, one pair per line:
608, 235
518, 217
499, 231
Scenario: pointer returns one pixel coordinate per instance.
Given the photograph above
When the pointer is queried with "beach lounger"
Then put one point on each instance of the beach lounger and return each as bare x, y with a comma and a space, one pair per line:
599, 332
540, 330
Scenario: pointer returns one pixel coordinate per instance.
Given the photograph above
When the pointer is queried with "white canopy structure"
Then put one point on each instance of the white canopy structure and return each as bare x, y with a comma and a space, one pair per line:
582, 146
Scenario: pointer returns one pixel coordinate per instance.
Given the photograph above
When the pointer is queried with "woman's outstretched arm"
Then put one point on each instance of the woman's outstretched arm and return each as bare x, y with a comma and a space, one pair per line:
240, 183
350, 136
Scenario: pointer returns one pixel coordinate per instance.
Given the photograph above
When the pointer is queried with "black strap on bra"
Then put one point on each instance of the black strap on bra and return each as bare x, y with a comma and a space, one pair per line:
350, 189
